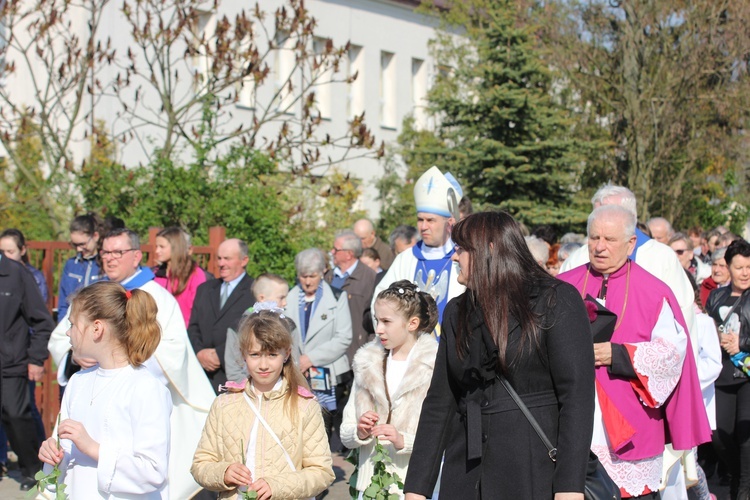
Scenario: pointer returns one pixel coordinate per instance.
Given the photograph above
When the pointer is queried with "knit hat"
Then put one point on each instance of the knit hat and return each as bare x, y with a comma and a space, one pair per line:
438, 194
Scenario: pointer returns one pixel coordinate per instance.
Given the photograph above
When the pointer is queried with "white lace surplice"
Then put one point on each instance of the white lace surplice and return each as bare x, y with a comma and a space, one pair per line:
659, 365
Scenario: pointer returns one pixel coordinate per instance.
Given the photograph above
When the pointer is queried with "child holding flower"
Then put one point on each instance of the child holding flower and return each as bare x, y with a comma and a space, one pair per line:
266, 434
114, 418
391, 376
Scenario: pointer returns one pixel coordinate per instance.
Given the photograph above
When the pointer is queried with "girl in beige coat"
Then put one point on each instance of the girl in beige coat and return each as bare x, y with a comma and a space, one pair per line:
391, 377
265, 435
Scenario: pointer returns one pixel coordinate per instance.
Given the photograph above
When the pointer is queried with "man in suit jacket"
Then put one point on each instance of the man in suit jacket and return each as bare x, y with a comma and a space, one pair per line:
356, 280
218, 306
22, 359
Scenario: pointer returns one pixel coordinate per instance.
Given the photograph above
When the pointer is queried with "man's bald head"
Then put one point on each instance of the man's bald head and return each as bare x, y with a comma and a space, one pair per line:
661, 229
365, 231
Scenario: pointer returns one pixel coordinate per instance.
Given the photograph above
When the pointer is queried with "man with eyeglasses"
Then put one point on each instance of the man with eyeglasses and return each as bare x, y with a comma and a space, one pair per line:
354, 278
22, 359
174, 362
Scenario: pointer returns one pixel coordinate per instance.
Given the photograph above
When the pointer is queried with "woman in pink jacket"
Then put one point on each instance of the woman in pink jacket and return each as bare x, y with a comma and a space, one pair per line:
177, 270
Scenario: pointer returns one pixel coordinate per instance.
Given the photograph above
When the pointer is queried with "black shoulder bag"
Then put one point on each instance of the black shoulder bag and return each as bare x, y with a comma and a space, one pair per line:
599, 486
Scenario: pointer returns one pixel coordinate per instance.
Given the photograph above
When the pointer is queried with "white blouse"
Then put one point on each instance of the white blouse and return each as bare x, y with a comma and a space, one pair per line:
125, 410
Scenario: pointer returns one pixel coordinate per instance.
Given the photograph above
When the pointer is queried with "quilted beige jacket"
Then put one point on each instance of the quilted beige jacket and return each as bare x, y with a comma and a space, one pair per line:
229, 423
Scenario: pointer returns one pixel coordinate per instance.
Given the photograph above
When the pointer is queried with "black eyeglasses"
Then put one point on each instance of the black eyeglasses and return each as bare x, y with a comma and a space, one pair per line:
115, 254
76, 246
335, 250
681, 251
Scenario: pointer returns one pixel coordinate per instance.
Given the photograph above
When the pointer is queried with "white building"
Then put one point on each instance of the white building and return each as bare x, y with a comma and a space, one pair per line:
389, 51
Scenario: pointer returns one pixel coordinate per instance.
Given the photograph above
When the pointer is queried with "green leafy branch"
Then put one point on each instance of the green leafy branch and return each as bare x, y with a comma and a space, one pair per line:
43, 480
353, 458
382, 480
246, 495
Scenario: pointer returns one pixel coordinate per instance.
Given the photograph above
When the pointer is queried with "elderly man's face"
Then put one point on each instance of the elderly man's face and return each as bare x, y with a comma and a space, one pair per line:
608, 246
659, 232
231, 262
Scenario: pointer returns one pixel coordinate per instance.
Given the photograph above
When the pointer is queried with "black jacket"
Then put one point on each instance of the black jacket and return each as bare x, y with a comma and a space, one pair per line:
209, 323
467, 412
731, 375
21, 308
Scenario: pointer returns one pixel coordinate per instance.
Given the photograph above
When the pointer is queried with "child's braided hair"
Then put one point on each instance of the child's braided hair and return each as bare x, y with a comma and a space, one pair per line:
411, 302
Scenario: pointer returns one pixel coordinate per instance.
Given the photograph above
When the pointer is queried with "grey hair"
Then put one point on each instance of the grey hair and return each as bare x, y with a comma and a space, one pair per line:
538, 248
625, 196
681, 237
718, 254
405, 233
310, 260
573, 238
628, 217
566, 249
350, 242
244, 252
135, 240
661, 220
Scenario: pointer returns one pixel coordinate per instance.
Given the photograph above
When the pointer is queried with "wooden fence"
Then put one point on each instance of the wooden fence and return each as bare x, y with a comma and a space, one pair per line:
50, 257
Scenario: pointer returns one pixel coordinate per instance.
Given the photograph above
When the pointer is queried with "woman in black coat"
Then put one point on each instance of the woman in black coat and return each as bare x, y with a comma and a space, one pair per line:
514, 319
732, 436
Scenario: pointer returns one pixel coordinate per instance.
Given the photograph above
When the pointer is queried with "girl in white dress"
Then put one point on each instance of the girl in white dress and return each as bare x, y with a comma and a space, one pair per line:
114, 419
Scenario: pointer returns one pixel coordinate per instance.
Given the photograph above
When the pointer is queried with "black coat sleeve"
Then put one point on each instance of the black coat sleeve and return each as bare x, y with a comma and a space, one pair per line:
438, 410
194, 329
571, 360
38, 318
621, 366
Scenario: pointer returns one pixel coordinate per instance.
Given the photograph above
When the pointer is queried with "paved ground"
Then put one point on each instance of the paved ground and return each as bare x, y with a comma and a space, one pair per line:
9, 486
338, 491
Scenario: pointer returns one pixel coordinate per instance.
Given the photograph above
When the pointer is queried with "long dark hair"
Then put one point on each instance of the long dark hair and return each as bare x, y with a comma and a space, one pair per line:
500, 278
181, 264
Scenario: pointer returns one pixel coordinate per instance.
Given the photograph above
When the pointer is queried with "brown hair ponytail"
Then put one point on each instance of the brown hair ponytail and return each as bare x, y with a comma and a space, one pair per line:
143, 331
131, 316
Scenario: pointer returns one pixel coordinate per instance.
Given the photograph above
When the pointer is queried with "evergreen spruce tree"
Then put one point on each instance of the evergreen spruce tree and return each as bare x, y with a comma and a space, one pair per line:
501, 131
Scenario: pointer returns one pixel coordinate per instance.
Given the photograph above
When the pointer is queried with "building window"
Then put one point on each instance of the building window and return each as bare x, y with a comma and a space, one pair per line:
246, 87
387, 90
355, 102
202, 61
322, 77
283, 69
419, 91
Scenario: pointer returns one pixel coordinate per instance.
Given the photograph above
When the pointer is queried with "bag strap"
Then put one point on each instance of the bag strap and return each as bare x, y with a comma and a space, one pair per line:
729, 314
551, 450
270, 431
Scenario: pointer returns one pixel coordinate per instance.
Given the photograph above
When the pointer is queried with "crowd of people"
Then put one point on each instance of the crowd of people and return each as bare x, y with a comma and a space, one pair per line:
464, 348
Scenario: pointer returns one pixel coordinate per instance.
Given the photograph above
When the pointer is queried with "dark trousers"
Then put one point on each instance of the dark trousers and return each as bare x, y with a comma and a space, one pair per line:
19, 424
732, 436
37, 421
332, 419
